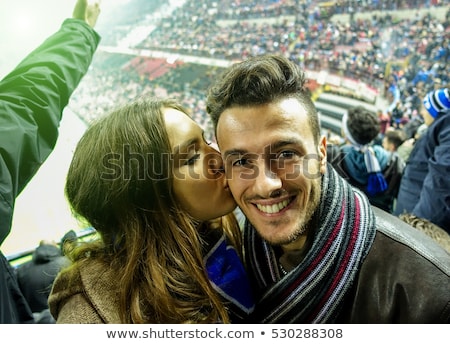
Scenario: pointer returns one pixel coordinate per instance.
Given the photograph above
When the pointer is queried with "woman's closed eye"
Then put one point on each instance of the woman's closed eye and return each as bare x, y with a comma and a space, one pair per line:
192, 160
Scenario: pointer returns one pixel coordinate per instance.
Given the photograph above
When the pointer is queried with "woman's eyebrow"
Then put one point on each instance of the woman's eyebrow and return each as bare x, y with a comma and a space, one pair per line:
185, 146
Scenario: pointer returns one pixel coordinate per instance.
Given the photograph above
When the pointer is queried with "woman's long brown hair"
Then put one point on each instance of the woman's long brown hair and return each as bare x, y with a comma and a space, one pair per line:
120, 181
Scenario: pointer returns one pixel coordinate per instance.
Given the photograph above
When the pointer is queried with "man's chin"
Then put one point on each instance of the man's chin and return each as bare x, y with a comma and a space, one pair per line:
276, 236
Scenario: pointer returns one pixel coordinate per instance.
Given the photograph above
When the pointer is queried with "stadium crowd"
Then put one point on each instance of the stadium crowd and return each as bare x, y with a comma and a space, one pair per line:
402, 58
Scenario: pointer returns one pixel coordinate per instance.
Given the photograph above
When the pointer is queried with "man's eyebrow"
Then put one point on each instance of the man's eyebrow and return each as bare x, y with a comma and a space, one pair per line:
231, 152
273, 146
286, 142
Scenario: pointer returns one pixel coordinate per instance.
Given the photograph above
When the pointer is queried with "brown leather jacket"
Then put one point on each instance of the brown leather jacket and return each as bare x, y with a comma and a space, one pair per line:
405, 278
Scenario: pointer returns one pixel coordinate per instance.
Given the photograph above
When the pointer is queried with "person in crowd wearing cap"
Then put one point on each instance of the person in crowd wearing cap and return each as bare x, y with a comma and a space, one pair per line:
368, 166
316, 251
36, 276
425, 186
32, 99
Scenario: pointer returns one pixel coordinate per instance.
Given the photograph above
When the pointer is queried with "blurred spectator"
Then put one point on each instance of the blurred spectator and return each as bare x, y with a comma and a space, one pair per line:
425, 186
36, 276
397, 115
385, 121
393, 139
366, 166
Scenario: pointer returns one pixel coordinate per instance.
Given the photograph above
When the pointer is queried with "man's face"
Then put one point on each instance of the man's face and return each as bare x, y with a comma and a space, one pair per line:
273, 167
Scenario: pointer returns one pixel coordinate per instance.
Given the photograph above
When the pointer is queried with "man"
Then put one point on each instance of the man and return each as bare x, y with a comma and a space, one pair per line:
425, 186
316, 250
32, 98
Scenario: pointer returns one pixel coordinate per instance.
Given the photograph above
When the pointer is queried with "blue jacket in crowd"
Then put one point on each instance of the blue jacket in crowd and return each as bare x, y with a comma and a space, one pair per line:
425, 186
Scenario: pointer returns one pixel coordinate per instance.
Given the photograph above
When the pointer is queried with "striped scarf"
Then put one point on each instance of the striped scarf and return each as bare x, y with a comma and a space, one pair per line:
315, 289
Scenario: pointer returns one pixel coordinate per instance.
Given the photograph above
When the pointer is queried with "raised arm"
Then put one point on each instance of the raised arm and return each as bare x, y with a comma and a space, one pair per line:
32, 99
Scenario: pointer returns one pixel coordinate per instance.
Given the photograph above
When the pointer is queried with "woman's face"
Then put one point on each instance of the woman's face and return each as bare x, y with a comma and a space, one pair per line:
199, 181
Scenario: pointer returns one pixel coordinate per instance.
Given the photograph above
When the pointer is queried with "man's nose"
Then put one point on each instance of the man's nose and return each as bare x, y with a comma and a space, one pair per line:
266, 181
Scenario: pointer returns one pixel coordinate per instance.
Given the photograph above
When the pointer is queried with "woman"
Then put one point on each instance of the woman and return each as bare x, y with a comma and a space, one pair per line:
154, 189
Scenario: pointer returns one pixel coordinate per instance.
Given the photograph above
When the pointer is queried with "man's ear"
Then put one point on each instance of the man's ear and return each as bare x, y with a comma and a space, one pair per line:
322, 149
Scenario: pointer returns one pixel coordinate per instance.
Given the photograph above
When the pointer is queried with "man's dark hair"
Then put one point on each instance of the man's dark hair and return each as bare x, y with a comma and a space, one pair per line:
260, 80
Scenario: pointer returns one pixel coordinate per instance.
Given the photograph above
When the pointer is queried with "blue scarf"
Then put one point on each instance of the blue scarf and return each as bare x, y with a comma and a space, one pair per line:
229, 278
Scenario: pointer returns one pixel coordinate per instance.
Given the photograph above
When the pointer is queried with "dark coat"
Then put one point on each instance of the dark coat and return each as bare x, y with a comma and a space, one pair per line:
32, 98
425, 186
36, 276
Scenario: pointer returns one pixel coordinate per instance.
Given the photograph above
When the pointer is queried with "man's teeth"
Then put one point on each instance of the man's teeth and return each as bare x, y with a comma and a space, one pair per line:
274, 208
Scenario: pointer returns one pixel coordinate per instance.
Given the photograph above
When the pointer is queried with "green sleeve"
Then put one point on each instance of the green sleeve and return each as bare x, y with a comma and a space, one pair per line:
32, 99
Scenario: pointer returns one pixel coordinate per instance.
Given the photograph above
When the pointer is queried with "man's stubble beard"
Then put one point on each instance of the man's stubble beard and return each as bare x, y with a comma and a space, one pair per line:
311, 210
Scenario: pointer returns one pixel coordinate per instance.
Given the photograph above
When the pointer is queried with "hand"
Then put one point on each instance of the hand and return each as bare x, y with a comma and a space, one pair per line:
87, 12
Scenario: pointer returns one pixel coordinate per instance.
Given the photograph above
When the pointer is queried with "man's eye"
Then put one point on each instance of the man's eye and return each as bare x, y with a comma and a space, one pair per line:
240, 162
286, 154
192, 160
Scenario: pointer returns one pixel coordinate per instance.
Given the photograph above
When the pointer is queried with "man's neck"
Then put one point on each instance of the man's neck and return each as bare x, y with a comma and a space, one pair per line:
294, 253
